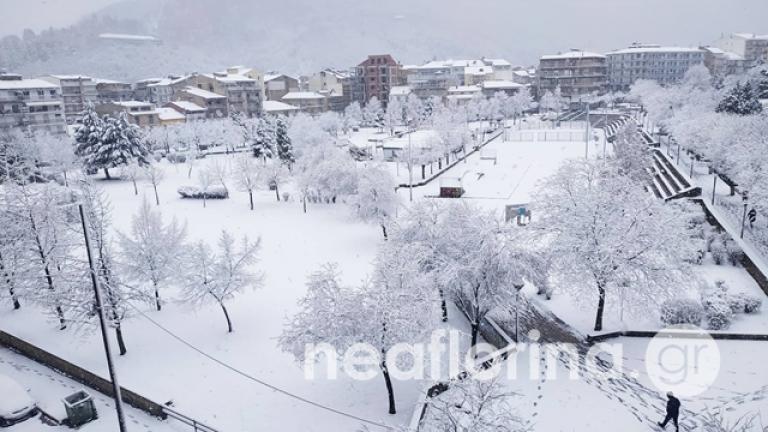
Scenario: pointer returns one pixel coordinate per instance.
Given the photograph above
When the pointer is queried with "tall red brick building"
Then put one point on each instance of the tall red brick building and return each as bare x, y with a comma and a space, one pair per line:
378, 74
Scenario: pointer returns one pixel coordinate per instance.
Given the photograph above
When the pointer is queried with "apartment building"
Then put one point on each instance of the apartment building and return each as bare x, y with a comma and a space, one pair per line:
332, 83
243, 94
663, 64
434, 78
140, 113
753, 48
31, 104
576, 72
76, 92
278, 85
111, 91
722, 63
378, 74
308, 102
191, 111
215, 104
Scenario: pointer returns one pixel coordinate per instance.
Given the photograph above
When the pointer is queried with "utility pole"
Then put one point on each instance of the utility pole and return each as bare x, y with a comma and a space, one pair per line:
586, 138
102, 322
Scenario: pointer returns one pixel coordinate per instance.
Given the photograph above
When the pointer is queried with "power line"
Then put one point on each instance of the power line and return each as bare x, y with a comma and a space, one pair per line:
254, 379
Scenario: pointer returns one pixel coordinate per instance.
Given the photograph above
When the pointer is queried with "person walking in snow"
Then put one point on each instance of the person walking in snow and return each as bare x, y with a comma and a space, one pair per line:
673, 411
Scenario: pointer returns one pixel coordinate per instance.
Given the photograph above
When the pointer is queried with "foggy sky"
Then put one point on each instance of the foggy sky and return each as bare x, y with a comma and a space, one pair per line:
523, 29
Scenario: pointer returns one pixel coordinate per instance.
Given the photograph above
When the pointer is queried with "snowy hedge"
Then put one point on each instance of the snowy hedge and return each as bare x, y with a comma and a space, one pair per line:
176, 158
681, 311
718, 313
194, 192
745, 303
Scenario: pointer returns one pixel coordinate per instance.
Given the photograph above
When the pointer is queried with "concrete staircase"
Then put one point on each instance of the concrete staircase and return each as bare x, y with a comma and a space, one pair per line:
668, 182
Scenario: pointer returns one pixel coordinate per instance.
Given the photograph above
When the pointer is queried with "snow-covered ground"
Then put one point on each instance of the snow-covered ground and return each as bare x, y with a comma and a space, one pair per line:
48, 388
294, 244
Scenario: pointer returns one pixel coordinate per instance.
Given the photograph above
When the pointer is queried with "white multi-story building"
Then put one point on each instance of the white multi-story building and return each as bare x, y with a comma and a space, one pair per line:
76, 92
31, 104
575, 72
754, 48
665, 65
722, 63
436, 77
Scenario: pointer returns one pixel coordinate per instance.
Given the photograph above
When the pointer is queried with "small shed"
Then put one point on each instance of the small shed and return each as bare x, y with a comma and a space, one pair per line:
451, 188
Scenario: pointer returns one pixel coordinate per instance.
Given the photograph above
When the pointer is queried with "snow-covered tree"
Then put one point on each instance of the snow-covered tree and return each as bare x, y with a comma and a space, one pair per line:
205, 179
283, 143
116, 295
552, 101
519, 103
605, 232
740, 100
155, 175
119, 142
152, 253
396, 307
375, 199
272, 176
57, 152
483, 262
632, 155
218, 277
474, 405
395, 115
132, 172
373, 113
263, 139
326, 173
247, 172
353, 116
219, 169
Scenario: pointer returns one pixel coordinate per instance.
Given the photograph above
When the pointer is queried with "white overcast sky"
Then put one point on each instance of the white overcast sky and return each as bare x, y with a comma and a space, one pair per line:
16, 15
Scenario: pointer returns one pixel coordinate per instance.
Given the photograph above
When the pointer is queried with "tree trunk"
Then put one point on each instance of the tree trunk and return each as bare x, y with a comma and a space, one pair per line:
304, 203
600, 307
204, 199
226, 315
66, 181
157, 197
384, 230
388, 382
135, 188
423, 171
250, 197
475, 325
120, 341
443, 304
106, 173
277, 192
157, 299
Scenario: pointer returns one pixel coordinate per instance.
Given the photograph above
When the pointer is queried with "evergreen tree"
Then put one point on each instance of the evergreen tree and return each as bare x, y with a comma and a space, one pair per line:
264, 139
741, 100
90, 128
284, 144
109, 142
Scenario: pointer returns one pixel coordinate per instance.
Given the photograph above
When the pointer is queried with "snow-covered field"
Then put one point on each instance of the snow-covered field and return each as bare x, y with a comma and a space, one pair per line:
294, 244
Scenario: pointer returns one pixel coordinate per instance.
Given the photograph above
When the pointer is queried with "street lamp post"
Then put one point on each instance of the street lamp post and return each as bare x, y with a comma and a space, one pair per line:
518, 287
410, 165
586, 138
744, 217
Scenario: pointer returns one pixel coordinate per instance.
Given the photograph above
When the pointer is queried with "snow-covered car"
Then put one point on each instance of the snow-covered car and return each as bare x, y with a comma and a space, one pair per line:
16, 405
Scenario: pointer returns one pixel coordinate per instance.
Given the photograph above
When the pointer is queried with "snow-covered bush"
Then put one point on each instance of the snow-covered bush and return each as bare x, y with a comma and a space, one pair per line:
733, 252
746, 303
681, 311
194, 192
718, 312
718, 250
286, 196
176, 158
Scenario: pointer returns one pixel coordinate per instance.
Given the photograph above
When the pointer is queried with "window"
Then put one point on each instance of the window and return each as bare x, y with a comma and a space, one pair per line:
41, 92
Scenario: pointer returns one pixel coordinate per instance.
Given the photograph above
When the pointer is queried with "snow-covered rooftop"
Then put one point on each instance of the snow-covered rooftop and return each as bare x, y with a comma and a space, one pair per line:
464, 89
70, 77
572, 55
501, 84
303, 95
203, 93
478, 70
132, 37
654, 49
229, 77
26, 83
720, 52
188, 106
498, 62
272, 76
133, 104
750, 36
169, 114
400, 91
271, 106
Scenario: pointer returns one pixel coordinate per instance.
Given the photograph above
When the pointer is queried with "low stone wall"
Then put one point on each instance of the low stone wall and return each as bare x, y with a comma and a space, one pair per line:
682, 335
79, 374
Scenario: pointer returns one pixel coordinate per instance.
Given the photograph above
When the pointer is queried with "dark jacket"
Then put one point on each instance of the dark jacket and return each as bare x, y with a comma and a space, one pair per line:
673, 405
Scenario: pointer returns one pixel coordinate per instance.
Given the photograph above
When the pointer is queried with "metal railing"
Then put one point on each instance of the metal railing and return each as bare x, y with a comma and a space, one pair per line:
196, 425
